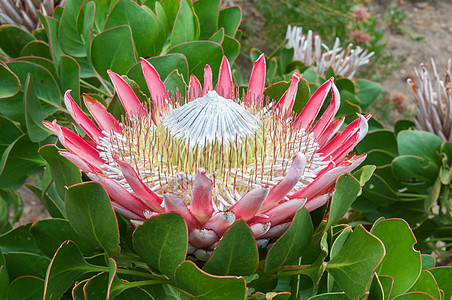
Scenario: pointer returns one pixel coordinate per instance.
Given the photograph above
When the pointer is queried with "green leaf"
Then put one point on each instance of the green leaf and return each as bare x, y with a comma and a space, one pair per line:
24, 263
426, 283
407, 167
347, 189
185, 25
14, 39
54, 205
17, 160
8, 134
200, 53
4, 281
368, 91
36, 48
64, 173
235, 254
44, 82
68, 34
373, 141
19, 239
175, 83
428, 261
230, 18
26, 288
231, 48
67, 266
292, 243
353, 266
330, 296
147, 35
51, 27
364, 174
206, 10
443, 277
162, 242
401, 262
113, 49
33, 115
70, 76
204, 286
90, 213
10, 83
419, 143
49, 234
414, 296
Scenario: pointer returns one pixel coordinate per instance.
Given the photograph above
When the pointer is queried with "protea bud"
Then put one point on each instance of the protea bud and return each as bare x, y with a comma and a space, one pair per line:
433, 101
215, 156
24, 13
310, 50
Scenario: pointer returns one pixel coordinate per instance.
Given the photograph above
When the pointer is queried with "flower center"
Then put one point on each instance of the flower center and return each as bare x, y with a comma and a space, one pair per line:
210, 119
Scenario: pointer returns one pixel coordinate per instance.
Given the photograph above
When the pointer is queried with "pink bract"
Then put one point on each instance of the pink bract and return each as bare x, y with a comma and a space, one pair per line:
215, 156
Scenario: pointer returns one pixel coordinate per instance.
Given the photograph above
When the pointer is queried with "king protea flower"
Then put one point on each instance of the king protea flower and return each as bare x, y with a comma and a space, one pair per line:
310, 50
433, 101
24, 13
214, 157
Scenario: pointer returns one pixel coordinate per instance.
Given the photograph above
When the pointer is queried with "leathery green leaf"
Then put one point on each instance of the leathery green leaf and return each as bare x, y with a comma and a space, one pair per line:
353, 266
162, 242
204, 286
68, 35
70, 77
14, 39
10, 83
235, 254
26, 288
443, 277
91, 214
67, 265
292, 243
113, 49
401, 262
426, 283
33, 115
64, 173
18, 159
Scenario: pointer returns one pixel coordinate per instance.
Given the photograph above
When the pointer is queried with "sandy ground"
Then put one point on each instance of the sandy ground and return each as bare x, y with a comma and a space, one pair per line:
430, 18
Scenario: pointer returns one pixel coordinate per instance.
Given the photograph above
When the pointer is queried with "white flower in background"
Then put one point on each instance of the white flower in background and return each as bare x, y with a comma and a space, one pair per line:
310, 50
433, 101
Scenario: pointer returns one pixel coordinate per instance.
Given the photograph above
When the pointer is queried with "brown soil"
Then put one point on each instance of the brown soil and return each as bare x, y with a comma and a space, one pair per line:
429, 18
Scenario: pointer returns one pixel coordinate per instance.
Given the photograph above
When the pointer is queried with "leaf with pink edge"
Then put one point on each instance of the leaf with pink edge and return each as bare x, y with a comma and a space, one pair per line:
443, 277
292, 243
352, 268
64, 173
428, 261
68, 34
49, 234
4, 281
10, 83
231, 48
235, 254
401, 262
230, 18
9, 133
91, 214
175, 83
347, 189
36, 48
330, 296
208, 20
26, 288
200, 53
18, 159
186, 25
162, 242
113, 49
426, 283
203, 286
67, 265
33, 114
414, 296
70, 76
147, 31
14, 39
276, 90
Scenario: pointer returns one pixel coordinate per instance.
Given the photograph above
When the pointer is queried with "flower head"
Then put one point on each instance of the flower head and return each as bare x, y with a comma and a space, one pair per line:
310, 50
433, 101
25, 13
215, 156
360, 14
